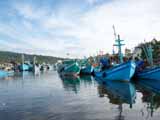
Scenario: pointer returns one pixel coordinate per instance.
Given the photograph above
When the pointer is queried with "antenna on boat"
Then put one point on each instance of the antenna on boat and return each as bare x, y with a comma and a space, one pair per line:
115, 35
114, 30
119, 45
113, 52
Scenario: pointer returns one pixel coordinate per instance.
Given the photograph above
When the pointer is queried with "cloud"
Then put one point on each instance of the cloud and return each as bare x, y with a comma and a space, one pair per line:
29, 11
79, 28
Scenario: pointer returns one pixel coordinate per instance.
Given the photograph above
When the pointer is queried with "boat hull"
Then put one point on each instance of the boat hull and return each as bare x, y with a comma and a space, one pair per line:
121, 72
86, 70
24, 67
152, 73
70, 70
6, 73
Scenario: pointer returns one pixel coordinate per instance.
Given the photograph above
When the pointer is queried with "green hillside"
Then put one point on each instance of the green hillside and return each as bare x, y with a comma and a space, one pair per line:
17, 57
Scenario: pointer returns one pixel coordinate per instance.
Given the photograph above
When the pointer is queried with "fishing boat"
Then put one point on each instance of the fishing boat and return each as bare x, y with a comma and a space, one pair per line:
23, 66
87, 70
122, 72
69, 67
4, 73
149, 73
152, 71
86, 67
35, 66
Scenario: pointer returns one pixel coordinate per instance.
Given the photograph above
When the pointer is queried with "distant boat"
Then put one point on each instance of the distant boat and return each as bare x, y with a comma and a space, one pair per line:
4, 73
36, 69
121, 72
35, 66
86, 68
24, 67
69, 67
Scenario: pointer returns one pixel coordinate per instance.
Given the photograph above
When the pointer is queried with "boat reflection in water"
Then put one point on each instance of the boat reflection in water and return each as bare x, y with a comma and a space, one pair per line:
87, 80
73, 83
151, 94
119, 93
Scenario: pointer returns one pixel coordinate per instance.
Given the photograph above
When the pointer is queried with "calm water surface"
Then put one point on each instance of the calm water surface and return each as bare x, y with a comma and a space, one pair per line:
49, 97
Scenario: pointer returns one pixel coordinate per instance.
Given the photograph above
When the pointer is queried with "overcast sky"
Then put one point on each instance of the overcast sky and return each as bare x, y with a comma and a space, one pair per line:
78, 27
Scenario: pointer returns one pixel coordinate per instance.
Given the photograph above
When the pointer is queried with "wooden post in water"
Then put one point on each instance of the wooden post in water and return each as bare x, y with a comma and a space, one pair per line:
22, 59
34, 60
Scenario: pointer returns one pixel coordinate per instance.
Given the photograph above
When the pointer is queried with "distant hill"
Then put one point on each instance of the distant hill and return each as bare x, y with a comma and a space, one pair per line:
17, 57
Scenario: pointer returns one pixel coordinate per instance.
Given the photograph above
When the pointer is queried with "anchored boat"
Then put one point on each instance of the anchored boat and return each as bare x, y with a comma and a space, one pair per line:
86, 68
150, 72
24, 67
122, 72
69, 67
4, 73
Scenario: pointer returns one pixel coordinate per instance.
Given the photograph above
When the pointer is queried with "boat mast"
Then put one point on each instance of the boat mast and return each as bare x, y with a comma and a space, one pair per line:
148, 52
115, 35
119, 45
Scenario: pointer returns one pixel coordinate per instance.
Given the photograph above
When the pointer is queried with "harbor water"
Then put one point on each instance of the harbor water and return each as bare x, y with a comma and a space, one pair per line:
48, 96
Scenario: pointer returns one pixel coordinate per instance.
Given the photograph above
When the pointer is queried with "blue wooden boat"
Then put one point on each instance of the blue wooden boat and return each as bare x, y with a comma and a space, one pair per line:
87, 69
121, 72
24, 67
4, 73
69, 67
151, 72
